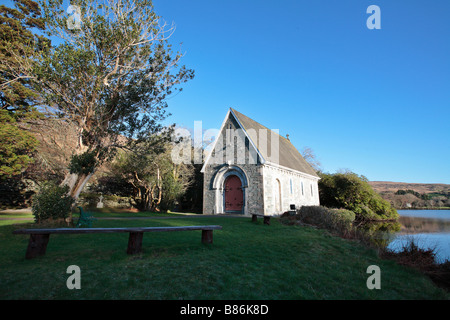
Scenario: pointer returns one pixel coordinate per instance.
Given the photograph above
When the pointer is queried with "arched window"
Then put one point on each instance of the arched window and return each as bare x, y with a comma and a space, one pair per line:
302, 190
290, 186
277, 196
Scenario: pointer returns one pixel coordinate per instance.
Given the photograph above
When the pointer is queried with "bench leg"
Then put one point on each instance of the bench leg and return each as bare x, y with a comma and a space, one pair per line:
207, 236
37, 245
135, 242
266, 220
254, 218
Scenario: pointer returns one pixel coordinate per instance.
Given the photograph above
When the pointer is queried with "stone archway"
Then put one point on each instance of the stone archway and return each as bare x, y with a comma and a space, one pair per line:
219, 185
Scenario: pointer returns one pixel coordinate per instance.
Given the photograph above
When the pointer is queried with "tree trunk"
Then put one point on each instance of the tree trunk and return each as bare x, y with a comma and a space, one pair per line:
76, 183
143, 198
81, 183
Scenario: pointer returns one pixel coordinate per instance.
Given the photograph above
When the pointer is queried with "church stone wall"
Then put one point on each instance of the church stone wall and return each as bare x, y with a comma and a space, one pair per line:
243, 162
293, 188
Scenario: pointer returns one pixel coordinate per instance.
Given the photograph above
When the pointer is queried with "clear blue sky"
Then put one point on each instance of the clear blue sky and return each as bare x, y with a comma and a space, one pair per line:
376, 102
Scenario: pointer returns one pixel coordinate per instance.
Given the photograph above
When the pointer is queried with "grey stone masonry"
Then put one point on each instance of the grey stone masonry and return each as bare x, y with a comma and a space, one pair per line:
268, 188
244, 163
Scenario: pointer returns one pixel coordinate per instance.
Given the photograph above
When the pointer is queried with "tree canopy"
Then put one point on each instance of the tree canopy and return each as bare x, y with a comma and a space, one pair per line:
110, 77
20, 49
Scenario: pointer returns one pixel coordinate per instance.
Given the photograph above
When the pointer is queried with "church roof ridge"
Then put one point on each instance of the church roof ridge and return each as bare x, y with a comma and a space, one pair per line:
288, 156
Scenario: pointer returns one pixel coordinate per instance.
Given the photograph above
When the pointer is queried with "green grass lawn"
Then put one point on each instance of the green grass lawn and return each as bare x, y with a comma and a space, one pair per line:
7, 218
247, 261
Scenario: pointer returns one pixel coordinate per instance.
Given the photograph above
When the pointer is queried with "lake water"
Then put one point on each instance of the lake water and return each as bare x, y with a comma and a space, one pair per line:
428, 229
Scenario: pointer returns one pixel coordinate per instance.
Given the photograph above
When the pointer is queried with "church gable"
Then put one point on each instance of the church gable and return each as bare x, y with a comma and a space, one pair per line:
233, 145
244, 141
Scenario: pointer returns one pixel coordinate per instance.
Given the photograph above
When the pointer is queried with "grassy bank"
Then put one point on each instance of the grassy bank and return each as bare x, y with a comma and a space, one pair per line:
247, 261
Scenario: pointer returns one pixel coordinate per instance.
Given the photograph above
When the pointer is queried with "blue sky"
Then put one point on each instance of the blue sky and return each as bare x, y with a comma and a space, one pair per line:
376, 102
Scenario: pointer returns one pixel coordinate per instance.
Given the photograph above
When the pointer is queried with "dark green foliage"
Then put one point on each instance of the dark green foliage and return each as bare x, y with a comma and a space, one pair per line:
339, 220
19, 49
16, 146
350, 191
192, 199
171, 191
422, 196
16, 193
52, 202
84, 163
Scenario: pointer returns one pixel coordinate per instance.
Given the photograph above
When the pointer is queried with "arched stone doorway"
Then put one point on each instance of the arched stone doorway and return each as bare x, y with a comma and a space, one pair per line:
234, 195
220, 184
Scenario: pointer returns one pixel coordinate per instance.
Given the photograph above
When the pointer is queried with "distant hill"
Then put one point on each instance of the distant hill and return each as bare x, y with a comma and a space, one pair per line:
403, 195
388, 186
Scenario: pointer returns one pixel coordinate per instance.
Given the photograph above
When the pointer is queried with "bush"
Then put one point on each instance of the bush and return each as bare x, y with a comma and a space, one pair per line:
343, 218
354, 193
51, 203
339, 220
171, 192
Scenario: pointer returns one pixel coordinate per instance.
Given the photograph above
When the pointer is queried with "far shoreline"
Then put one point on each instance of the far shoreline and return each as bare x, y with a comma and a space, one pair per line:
437, 208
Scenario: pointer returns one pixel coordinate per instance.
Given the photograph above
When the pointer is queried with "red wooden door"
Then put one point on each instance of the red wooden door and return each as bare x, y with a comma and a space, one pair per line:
234, 196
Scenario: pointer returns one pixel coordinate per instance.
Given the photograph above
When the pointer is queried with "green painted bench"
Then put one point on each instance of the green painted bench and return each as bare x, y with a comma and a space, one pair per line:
86, 219
37, 245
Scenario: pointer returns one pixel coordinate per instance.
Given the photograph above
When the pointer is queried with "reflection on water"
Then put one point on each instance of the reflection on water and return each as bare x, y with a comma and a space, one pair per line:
411, 225
429, 229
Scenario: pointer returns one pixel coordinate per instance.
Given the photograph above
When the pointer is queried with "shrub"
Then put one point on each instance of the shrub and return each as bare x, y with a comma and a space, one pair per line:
343, 218
353, 192
51, 203
171, 192
339, 220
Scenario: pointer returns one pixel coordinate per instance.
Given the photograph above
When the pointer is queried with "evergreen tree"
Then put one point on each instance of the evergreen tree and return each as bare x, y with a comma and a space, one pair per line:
19, 51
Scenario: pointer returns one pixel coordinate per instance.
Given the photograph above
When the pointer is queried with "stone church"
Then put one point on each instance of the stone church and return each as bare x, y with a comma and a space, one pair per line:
252, 169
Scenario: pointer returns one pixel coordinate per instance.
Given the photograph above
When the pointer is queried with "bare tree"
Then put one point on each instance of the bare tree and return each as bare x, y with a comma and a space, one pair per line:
310, 157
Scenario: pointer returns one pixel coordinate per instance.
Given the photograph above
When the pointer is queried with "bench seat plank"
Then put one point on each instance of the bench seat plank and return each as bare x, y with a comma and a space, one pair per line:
114, 230
39, 238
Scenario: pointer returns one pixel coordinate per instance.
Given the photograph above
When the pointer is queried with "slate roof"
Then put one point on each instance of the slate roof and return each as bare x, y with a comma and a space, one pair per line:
288, 155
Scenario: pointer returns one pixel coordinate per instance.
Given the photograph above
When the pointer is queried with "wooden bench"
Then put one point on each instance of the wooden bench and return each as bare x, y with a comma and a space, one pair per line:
39, 238
256, 215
